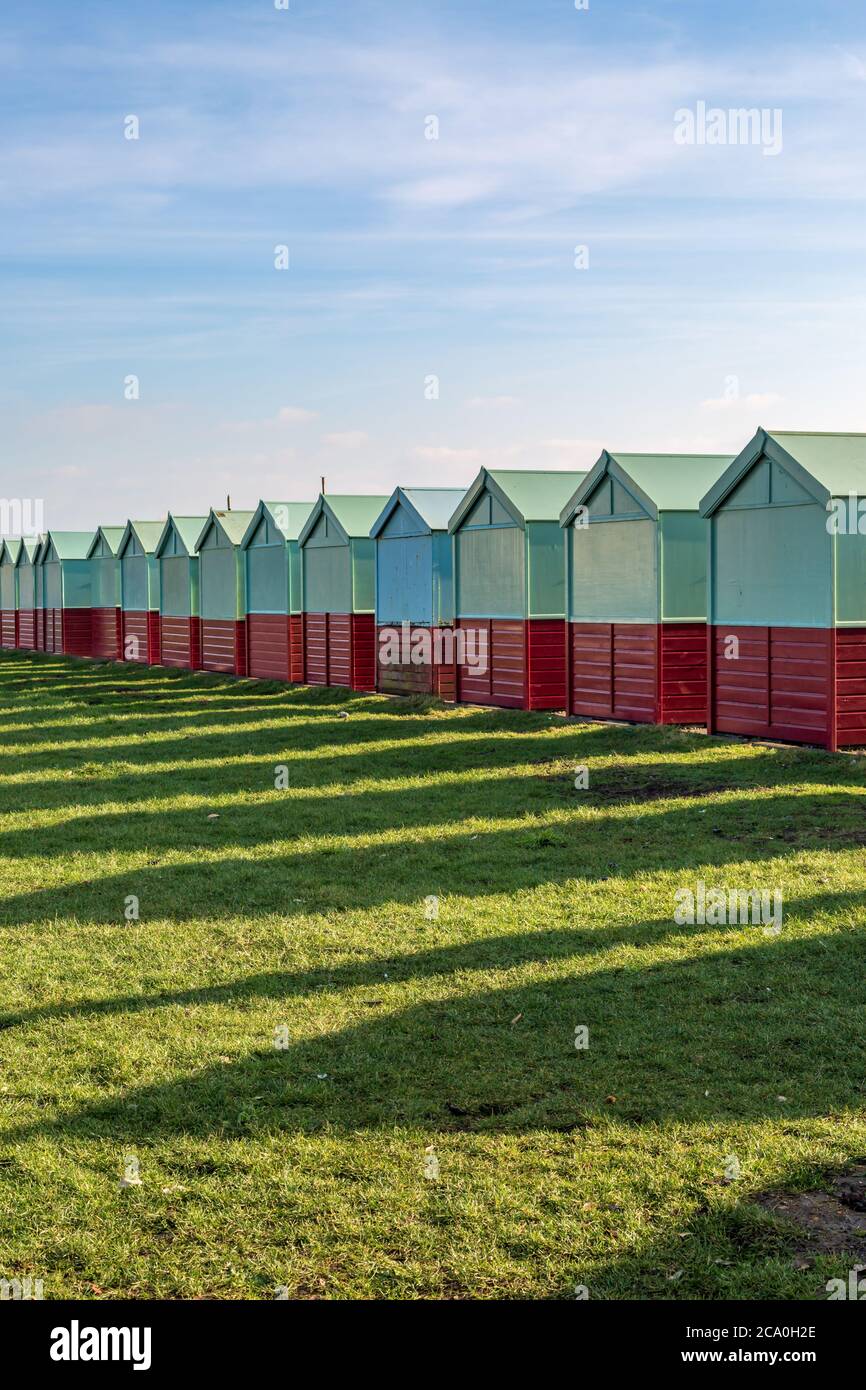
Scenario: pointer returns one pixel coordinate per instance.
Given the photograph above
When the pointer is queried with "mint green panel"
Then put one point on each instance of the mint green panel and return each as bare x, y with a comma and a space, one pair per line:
296, 588
443, 577
623, 502
771, 566
219, 581
176, 589
851, 578
754, 490
153, 582
327, 579
784, 488
480, 514
600, 502
106, 582
324, 533
400, 523
39, 587
613, 572
546, 551
683, 550
7, 586
363, 574
77, 583
133, 578
26, 587
53, 587
267, 578
490, 573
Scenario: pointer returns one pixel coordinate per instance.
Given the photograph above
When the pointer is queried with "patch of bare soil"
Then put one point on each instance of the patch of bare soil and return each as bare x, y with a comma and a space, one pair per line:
830, 1221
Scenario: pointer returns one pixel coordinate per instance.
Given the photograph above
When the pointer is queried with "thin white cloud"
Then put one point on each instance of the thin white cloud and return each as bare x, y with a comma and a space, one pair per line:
346, 439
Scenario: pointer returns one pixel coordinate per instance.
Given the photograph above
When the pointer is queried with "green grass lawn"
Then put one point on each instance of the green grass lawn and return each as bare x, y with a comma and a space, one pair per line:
301, 914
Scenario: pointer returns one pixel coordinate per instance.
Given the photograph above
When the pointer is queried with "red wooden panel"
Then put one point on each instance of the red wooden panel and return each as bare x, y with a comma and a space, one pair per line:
223, 646
105, 633
363, 651
635, 657
26, 628
39, 615
591, 673
445, 670
316, 648
180, 642
474, 687
780, 686
73, 629
7, 627
850, 671
268, 646
340, 649
133, 636
545, 663
296, 647
682, 673
508, 662
52, 639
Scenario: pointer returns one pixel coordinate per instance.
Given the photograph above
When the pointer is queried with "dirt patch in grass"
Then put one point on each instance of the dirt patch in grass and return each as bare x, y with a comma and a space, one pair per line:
831, 1221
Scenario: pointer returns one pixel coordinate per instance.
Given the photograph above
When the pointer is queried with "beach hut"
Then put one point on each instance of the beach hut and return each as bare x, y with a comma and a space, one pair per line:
9, 552
65, 592
787, 590
636, 583
509, 574
222, 592
105, 612
272, 563
339, 581
26, 593
415, 592
139, 591
179, 621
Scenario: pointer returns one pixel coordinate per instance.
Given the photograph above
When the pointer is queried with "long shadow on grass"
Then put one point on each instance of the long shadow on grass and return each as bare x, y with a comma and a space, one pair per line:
457, 860
771, 1030
482, 953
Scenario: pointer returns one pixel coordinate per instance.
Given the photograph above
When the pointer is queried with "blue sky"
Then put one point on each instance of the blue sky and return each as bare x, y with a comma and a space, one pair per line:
724, 287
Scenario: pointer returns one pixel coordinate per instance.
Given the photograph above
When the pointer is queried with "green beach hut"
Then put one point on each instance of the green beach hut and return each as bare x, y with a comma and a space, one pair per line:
222, 592
139, 591
787, 590
9, 552
179, 619
636, 581
275, 617
509, 574
105, 588
65, 592
26, 593
338, 563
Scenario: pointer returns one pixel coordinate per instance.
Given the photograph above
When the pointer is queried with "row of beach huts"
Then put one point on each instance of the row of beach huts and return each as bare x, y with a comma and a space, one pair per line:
654, 588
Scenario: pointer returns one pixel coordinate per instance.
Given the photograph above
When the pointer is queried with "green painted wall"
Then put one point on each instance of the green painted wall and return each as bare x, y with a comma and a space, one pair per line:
770, 565
443, 577
221, 581
491, 573
296, 586
106, 582
683, 560
327, 579
77, 584
613, 572
26, 586
7, 586
53, 584
176, 586
363, 574
545, 551
850, 579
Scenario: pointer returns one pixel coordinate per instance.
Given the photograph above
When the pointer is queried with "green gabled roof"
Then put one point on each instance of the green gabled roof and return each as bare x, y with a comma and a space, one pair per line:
354, 514
287, 517
112, 535
69, 545
147, 533
9, 552
187, 527
432, 506
27, 552
660, 482
826, 465
528, 494
232, 524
